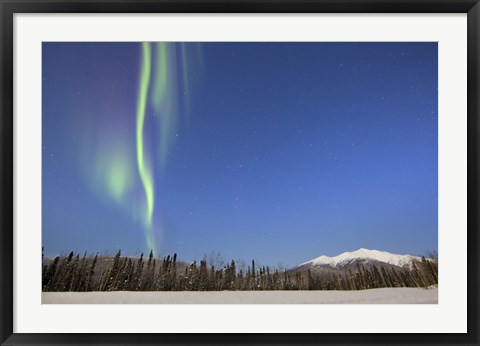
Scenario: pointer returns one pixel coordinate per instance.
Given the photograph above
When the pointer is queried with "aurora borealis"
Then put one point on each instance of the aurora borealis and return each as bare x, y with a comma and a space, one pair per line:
116, 176
274, 151
144, 167
164, 100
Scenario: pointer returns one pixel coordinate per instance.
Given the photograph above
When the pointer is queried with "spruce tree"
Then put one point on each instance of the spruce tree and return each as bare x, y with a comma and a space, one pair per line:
48, 283
89, 281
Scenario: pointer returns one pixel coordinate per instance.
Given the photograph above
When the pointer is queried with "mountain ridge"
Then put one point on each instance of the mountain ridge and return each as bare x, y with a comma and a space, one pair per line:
361, 254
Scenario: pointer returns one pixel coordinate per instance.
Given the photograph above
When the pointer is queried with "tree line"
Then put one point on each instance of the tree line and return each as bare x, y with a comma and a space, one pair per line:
82, 274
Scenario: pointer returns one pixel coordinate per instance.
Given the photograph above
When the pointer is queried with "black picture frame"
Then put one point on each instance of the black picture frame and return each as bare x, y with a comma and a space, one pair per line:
10, 7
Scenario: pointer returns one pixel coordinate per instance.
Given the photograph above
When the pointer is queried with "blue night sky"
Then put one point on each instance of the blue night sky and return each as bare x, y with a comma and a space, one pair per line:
279, 152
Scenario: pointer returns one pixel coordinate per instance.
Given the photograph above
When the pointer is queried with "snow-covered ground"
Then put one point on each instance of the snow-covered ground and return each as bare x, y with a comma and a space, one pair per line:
373, 296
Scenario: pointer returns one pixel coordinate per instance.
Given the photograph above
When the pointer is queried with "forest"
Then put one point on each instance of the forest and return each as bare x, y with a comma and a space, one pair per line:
74, 273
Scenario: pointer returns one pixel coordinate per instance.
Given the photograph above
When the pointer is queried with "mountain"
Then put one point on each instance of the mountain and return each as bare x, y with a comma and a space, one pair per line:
349, 260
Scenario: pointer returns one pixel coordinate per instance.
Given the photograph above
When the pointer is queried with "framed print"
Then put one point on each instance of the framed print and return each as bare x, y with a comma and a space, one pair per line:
239, 173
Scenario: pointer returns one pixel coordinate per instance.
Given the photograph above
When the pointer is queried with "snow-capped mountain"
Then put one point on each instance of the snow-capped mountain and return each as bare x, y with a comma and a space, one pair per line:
362, 255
